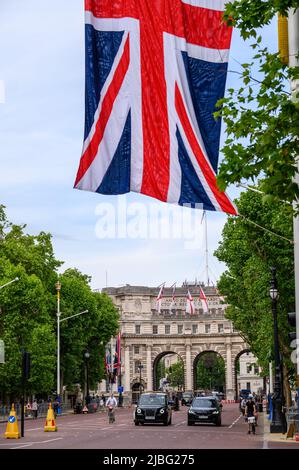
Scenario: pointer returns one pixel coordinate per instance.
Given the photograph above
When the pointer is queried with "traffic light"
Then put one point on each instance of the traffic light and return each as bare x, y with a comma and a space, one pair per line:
292, 323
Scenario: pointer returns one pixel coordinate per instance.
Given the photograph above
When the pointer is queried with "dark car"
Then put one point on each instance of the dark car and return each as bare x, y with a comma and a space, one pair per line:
153, 408
244, 392
187, 398
204, 410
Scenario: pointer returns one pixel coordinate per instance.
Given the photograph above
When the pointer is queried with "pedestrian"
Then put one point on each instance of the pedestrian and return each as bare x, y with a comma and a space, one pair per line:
103, 398
55, 407
111, 405
35, 409
243, 406
250, 412
28, 409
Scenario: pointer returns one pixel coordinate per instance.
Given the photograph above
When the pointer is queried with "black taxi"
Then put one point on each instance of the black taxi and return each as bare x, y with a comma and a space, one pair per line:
153, 408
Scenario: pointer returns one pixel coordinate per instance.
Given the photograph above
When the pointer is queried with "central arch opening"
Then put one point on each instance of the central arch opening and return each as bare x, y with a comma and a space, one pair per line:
168, 372
248, 375
209, 372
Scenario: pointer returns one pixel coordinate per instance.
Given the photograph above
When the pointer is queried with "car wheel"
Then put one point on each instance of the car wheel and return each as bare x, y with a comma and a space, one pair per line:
190, 423
136, 423
165, 423
169, 422
218, 423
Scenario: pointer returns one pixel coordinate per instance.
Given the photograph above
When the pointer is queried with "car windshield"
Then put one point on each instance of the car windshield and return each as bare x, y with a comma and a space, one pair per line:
204, 403
187, 395
152, 400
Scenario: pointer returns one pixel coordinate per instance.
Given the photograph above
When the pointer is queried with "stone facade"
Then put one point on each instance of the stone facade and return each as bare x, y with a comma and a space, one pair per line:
249, 374
147, 336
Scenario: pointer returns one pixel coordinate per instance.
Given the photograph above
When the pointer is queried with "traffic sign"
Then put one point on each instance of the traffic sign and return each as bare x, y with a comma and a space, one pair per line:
2, 361
120, 389
11, 419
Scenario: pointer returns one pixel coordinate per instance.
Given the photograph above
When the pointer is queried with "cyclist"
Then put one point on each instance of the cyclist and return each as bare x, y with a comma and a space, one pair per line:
250, 412
111, 405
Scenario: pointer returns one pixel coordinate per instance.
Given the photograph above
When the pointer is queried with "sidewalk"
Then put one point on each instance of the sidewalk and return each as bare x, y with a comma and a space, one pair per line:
43, 415
273, 437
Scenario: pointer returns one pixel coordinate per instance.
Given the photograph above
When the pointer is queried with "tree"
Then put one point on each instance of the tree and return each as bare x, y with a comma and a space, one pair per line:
210, 372
175, 374
261, 120
249, 252
28, 315
25, 312
88, 332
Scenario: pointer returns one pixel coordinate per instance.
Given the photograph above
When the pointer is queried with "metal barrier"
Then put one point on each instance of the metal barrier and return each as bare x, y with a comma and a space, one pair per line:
41, 412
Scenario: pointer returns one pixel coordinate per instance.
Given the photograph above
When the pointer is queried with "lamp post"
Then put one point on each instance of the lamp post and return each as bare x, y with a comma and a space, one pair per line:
10, 282
58, 288
87, 356
140, 367
278, 424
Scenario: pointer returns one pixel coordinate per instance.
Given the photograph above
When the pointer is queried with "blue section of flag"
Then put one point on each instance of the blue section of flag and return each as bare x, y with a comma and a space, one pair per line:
117, 177
192, 190
101, 49
207, 85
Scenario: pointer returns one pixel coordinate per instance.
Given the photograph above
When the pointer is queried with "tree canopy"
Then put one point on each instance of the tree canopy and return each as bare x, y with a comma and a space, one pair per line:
249, 252
262, 122
28, 315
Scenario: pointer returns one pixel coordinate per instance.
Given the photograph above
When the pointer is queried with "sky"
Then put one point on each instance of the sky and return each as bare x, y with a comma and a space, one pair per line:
41, 135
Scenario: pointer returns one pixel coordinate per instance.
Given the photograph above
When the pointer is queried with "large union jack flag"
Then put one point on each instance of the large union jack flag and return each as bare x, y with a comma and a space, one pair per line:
154, 72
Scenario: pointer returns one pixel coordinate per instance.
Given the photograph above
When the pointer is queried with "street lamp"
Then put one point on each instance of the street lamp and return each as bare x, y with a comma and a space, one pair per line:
278, 424
58, 288
10, 282
87, 356
140, 367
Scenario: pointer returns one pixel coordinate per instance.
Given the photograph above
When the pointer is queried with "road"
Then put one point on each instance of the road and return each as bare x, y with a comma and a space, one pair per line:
93, 432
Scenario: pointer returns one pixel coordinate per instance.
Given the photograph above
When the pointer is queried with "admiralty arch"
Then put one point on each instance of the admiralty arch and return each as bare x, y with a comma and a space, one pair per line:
147, 335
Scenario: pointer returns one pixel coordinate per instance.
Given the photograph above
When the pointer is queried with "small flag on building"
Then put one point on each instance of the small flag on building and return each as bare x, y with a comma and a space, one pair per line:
172, 304
160, 297
107, 361
204, 302
221, 298
117, 356
190, 304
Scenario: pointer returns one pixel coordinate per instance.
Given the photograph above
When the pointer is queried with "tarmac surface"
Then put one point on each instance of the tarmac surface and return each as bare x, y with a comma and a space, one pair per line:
93, 431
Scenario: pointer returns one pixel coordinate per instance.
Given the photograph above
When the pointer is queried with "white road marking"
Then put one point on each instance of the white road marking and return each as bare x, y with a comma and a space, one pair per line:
40, 442
236, 420
20, 447
33, 429
179, 424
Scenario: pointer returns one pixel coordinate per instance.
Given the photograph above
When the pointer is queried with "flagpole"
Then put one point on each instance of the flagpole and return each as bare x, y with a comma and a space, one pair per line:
207, 250
111, 365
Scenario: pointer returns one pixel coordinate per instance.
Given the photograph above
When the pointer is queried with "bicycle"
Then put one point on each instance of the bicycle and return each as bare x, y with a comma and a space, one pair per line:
111, 414
251, 424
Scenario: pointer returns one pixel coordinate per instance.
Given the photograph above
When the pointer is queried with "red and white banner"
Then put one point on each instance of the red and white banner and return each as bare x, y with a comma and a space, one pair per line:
190, 304
204, 302
160, 297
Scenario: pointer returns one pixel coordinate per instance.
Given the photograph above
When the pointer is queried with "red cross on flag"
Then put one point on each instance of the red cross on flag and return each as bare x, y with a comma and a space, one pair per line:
204, 302
160, 297
190, 304
155, 70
